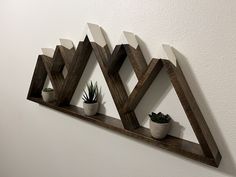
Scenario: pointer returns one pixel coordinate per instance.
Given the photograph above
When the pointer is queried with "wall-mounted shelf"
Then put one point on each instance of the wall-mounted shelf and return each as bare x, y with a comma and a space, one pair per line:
75, 61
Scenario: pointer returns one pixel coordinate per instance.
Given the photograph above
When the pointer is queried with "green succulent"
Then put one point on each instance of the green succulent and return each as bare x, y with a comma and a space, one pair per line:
91, 96
47, 89
159, 118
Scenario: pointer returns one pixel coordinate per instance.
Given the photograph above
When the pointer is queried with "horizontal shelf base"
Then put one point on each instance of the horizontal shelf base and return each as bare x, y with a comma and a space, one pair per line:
180, 146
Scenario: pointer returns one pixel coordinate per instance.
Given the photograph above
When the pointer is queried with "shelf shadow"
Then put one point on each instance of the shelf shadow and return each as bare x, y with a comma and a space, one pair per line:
227, 164
157, 92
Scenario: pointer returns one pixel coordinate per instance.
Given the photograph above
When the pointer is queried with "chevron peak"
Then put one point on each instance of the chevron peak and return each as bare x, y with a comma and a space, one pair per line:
170, 54
66, 43
129, 38
95, 34
48, 52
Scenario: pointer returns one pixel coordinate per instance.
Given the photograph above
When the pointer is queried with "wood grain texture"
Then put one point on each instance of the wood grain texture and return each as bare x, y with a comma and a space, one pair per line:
75, 72
136, 59
117, 59
182, 147
56, 78
192, 111
115, 86
142, 86
110, 63
38, 79
67, 55
58, 62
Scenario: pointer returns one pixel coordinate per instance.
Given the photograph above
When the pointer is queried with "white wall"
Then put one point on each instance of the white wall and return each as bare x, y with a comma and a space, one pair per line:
39, 142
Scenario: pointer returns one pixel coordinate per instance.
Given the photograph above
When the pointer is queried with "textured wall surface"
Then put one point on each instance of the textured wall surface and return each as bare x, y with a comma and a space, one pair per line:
38, 142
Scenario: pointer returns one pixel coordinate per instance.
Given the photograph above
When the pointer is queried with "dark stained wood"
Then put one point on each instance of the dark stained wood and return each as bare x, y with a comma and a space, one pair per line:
137, 60
67, 55
183, 147
115, 86
56, 78
143, 84
75, 62
75, 72
192, 111
38, 79
58, 62
117, 59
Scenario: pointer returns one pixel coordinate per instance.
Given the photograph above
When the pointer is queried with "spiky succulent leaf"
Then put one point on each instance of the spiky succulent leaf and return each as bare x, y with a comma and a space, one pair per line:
91, 95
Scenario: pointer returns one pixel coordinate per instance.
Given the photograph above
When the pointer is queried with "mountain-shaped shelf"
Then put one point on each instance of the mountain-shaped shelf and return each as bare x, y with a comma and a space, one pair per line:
75, 61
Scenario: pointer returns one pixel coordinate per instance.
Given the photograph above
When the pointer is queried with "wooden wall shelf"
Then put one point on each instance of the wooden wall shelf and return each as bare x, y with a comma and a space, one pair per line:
75, 61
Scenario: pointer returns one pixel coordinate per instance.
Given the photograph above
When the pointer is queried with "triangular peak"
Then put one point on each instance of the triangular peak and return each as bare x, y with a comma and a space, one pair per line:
95, 34
49, 52
129, 38
67, 43
206, 152
170, 54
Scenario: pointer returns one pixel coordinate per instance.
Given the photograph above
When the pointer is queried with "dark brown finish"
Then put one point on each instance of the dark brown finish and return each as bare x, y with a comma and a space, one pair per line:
143, 84
183, 147
115, 86
117, 59
38, 79
75, 72
192, 110
67, 55
136, 59
58, 62
56, 78
75, 61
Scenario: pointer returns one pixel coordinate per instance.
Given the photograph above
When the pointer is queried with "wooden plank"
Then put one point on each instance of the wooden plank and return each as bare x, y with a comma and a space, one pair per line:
192, 111
117, 59
55, 78
67, 55
115, 86
75, 72
58, 62
38, 79
143, 84
182, 147
136, 59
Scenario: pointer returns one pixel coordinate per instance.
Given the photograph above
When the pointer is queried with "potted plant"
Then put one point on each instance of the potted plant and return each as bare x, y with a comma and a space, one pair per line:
159, 125
90, 99
48, 95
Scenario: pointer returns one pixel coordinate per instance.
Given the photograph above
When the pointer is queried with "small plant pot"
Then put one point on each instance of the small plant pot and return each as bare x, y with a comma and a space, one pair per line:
90, 109
159, 130
48, 96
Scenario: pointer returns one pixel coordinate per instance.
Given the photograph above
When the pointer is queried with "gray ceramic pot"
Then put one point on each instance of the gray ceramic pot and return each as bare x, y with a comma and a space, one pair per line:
48, 96
159, 130
90, 109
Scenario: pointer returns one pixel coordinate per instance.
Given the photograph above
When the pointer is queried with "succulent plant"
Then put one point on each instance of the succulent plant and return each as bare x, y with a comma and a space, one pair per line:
91, 96
47, 89
159, 118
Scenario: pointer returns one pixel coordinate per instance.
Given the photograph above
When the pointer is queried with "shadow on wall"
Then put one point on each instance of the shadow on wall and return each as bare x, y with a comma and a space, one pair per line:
157, 92
227, 164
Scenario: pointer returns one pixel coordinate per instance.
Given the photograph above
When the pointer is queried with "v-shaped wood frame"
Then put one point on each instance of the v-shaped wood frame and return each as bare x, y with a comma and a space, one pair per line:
75, 61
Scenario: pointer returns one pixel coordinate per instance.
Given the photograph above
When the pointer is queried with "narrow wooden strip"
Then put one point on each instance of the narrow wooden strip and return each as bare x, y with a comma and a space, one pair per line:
55, 78
182, 147
115, 86
117, 59
38, 79
192, 111
137, 60
75, 72
58, 62
143, 84
67, 55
